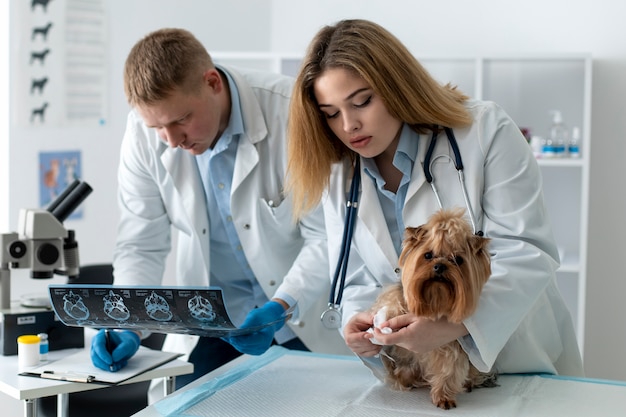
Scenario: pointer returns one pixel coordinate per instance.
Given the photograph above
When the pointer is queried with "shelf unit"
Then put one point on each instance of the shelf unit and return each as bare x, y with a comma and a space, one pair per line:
528, 88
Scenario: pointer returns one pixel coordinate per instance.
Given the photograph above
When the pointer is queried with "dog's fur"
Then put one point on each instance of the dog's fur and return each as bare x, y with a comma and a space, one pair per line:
444, 267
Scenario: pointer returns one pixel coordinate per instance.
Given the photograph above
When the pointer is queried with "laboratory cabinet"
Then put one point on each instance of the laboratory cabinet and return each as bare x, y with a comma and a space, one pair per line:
529, 88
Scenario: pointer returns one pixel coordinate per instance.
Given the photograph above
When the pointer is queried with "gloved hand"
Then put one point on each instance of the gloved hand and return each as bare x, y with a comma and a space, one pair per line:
123, 344
258, 342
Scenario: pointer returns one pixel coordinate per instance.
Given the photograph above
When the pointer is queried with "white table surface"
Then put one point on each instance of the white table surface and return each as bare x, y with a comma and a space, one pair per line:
287, 383
27, 387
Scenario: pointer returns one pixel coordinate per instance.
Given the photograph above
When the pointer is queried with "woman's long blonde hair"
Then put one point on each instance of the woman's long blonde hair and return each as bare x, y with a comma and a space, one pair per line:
373, 53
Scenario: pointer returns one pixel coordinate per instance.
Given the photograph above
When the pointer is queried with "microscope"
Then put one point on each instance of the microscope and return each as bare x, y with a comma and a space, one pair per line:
43, 245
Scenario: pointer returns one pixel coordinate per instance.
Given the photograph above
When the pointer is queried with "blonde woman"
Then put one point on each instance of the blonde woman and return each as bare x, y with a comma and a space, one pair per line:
361, 96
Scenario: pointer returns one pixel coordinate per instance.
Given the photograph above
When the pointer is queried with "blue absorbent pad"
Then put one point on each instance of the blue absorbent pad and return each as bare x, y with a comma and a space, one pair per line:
288, 383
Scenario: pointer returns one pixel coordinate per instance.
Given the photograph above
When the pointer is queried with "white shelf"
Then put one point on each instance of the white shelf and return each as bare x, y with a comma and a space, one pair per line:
528, 88
566, 162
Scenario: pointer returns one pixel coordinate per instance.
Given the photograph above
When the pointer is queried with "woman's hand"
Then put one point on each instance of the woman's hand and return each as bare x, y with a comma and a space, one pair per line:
356, 335
419, 334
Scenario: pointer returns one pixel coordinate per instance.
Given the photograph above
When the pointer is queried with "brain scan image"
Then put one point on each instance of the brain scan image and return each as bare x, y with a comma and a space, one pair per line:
114, 307
157, 307
201, 308
74, 306
197, 311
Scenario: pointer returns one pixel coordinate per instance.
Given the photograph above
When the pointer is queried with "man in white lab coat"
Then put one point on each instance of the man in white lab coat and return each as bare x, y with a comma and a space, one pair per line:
205, 152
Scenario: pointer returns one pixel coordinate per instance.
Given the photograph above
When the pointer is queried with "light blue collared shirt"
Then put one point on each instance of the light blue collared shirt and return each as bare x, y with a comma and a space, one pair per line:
393, 203
229, 267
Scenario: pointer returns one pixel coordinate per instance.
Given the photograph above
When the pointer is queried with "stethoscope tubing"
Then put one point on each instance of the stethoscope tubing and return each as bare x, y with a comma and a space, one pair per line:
458, 164
342, 265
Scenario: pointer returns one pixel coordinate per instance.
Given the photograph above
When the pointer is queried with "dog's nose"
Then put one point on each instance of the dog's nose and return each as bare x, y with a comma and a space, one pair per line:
439, 268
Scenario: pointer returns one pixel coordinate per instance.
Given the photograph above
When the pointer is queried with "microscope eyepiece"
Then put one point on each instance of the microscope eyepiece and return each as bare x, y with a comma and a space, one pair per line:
69, 199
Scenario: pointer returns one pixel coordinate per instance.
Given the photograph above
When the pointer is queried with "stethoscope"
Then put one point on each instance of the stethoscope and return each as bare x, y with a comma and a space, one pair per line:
331, 317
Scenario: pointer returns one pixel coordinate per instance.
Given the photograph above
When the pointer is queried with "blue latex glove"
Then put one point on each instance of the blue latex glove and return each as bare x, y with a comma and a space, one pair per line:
258, 342
123, 344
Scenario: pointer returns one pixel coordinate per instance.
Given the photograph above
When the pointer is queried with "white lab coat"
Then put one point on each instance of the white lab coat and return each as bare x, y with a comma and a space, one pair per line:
160, 187
522, 323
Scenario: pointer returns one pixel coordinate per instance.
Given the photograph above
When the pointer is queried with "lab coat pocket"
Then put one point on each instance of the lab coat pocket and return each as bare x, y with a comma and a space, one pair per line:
277, 207
276, 215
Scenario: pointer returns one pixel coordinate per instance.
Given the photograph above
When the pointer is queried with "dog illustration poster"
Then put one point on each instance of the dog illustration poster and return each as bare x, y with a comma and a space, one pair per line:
60, 63
185, 310
57, 170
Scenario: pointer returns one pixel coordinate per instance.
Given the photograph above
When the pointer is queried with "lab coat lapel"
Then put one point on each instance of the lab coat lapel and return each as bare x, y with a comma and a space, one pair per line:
420, 202
247, 159
371, 214
183, 170
255, 131
412, 210
418, 179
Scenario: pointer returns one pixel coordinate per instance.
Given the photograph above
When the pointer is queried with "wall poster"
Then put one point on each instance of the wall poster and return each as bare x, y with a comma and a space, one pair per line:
57, 170
60, 63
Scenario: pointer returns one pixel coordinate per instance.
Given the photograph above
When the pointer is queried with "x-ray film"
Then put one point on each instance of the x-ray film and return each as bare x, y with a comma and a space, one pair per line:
184, 310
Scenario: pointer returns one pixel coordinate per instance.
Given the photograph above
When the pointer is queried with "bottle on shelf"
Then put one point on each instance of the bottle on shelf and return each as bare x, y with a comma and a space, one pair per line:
43, 347
558, 135
573, 147
537, 144
548, 151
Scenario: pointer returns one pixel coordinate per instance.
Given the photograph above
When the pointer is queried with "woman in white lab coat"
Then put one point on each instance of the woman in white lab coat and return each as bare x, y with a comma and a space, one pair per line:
361, 94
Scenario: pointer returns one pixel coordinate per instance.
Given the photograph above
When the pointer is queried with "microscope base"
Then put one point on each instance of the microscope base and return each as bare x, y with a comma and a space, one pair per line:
18, 320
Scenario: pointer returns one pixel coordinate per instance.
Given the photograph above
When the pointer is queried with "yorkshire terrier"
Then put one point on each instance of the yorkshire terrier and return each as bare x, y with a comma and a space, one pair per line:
444, 267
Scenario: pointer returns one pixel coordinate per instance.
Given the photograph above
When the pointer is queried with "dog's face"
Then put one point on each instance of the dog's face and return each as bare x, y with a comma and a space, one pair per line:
444, 267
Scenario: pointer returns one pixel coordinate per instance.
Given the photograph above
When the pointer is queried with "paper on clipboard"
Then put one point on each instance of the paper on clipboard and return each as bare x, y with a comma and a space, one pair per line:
79, 368
185, 310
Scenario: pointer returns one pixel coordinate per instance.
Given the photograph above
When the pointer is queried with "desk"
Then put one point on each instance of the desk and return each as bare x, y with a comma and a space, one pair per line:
288, 383
29, 388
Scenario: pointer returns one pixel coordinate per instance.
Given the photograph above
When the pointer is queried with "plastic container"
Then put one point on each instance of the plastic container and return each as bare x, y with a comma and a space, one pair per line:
537, 143
573, 147
548, 150
558, 135
43, 347
27, 351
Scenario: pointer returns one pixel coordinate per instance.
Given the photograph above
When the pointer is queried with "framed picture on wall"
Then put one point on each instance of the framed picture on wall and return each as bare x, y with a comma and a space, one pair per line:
57, 170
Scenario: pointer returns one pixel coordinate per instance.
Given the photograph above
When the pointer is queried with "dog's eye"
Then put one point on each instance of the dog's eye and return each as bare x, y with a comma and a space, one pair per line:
428, 255
458, 260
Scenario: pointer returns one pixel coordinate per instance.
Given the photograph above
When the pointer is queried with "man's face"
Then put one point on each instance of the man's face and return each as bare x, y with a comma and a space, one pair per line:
191, 121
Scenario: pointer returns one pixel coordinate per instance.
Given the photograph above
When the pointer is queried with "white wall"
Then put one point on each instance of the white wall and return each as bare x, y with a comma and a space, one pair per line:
4, 114
429, 28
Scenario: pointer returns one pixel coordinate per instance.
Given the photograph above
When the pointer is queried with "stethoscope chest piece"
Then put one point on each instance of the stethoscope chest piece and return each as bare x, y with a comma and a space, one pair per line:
331, 317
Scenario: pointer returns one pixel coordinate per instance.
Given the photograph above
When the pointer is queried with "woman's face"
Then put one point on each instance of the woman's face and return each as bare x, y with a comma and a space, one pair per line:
357, 116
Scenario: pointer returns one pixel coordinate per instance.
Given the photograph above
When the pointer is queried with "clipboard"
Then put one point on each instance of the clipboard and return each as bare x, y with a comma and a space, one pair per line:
79, 368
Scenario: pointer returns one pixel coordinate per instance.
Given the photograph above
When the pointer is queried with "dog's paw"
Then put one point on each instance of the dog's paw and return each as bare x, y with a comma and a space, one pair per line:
445, 403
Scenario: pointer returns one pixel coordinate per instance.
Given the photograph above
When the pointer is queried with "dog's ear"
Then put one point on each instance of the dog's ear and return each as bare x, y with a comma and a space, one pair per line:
479, 243
412, 237
414, 233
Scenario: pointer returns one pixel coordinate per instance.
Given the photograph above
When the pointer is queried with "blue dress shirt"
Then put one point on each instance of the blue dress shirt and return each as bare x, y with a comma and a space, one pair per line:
229, 267
393, 203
